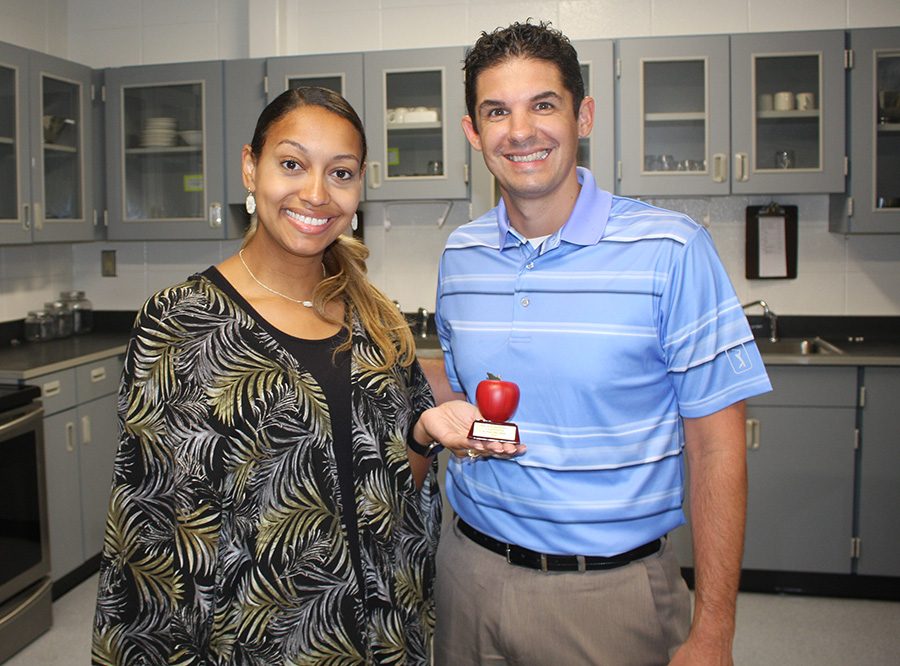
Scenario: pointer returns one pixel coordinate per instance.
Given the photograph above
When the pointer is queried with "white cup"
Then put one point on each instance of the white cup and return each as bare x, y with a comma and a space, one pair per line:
806, 101
765, 102
784, 101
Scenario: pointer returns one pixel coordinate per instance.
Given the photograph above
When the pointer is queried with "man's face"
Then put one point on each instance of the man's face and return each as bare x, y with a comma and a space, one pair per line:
526, 129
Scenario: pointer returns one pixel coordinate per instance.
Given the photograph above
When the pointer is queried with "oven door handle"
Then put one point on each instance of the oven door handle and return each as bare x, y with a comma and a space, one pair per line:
26, 603
12, 425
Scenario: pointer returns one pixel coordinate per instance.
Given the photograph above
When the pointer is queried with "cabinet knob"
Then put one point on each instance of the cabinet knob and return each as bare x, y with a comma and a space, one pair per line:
752, 433
720, 168
215, 214
374, 175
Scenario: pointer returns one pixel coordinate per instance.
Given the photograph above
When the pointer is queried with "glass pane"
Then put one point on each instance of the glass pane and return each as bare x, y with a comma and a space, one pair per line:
62, 138
674, 116
9, 195
335, 83
415, 132
164, 139
788, 124
887, 142
584, 144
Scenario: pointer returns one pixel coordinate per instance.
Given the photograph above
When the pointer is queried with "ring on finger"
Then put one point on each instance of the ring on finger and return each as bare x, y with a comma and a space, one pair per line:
472, 453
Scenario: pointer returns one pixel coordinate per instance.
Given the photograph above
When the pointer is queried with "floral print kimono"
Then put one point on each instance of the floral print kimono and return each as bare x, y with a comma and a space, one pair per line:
224, 541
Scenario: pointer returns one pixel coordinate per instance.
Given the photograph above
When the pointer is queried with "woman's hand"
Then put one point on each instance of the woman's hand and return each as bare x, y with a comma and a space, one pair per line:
449, 424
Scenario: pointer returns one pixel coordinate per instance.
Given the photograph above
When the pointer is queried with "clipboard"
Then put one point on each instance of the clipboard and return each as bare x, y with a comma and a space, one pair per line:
771, 242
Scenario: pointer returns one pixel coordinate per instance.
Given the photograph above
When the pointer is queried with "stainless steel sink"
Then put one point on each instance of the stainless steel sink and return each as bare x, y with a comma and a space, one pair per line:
798, 346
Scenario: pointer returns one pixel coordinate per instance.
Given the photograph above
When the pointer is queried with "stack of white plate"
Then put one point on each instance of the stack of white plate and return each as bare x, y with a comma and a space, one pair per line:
158, 132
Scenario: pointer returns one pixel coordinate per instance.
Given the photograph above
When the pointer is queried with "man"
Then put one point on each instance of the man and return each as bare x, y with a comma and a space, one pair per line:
618, 323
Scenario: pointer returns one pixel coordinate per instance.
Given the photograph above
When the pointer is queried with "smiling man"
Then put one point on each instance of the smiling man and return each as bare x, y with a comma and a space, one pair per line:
619, 324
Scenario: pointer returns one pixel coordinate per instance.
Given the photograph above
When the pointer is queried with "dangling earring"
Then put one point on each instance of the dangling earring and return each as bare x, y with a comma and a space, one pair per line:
250, 203
354, 222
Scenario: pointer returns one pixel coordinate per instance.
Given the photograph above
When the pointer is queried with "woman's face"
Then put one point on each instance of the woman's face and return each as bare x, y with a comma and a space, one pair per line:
307, 180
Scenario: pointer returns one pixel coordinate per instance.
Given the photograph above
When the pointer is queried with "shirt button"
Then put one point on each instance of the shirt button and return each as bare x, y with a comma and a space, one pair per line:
529, 265
525, 302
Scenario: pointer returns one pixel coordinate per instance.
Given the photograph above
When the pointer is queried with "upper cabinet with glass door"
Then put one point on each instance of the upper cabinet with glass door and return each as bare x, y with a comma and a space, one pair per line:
165, 152
872, 201
673, 115
787, 109
414, 103
597, 151
45, 148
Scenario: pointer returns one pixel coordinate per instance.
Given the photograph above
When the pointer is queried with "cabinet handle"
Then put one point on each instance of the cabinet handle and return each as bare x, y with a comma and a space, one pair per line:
85, 429
70, 436
50, 389
751, 429
215, 214
741, 171
466, 174
98, 374
38, 216
374, 175
720, 167
26, 216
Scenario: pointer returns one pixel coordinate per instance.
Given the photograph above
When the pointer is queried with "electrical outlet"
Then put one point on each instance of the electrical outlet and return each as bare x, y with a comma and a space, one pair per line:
108, 263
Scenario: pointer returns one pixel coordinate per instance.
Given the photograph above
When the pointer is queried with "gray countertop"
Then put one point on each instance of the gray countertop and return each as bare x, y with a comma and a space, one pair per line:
26, 361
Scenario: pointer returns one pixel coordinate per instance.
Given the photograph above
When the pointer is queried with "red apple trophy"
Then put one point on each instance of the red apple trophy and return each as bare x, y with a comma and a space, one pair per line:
497, 401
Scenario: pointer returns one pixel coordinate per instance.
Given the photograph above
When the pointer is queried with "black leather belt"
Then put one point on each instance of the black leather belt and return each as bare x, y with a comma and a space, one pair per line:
524, 557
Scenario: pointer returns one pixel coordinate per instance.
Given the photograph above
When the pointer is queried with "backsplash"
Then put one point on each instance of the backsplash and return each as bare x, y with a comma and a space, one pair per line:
837, 275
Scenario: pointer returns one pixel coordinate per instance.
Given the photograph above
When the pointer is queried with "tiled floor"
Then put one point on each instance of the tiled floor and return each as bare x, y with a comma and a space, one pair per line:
772, 631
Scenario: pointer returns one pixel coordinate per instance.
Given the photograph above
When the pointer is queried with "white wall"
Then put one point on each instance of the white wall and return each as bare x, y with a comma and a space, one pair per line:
837, 274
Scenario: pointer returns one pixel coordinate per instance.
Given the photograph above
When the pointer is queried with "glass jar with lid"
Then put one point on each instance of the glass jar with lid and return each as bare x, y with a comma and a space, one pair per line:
82, 311
39, 325
64, 318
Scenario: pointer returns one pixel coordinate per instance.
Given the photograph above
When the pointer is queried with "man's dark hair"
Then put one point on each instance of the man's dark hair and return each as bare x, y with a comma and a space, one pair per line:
523, 40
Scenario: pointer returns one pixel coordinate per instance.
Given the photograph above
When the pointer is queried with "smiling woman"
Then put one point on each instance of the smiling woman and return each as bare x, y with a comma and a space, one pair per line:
269, 502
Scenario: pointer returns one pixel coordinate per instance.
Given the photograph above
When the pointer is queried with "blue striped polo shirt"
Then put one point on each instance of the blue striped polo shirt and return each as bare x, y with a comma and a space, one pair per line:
621, 323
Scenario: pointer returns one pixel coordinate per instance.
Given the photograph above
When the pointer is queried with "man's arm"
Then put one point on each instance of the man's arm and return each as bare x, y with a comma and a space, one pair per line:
716, 455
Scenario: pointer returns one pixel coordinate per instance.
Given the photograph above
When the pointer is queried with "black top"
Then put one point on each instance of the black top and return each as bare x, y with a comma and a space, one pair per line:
332, 372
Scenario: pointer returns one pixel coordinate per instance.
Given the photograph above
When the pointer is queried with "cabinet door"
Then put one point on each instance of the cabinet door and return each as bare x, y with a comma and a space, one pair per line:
61, 149
787, 110
879, 494
15, 191
63, 492
414, 103
873, 205
98, 439
165, 139
597, 151
673, 116
800, 462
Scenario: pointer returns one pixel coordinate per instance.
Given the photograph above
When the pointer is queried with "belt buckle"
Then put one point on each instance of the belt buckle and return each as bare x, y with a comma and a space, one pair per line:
544, 563
508, 561
582, 564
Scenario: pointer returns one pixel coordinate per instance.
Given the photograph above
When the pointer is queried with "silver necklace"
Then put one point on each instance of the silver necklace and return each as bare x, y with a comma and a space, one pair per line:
299, 301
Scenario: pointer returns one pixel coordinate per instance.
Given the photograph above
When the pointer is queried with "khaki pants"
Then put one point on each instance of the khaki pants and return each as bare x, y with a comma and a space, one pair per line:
491, 612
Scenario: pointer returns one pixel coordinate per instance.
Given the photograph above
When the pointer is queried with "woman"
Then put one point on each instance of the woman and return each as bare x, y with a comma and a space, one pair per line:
268, 502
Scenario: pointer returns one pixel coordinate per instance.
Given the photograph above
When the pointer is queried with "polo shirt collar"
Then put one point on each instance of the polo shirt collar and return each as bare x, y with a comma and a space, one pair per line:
585, 225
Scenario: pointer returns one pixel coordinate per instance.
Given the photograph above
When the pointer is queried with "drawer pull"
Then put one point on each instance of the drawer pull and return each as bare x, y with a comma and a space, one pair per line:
752, 434
51, 389
86, 430
70, 436
98, 374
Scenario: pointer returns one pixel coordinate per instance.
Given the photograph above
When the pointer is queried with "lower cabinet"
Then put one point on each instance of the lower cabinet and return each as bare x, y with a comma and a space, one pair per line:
800, 467
879, 479
80, 441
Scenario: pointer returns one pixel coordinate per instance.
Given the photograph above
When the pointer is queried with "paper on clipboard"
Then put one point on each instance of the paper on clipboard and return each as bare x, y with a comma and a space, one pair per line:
772, 247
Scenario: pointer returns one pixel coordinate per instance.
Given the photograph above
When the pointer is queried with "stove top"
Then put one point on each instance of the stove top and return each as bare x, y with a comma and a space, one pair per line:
12, 395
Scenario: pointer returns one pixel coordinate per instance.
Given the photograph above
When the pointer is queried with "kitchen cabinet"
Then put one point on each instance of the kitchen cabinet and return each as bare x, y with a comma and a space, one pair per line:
719, 115
414, 101
46, 148
165, 153
879, 489
80, 442
800, 462
597, 151
872, 200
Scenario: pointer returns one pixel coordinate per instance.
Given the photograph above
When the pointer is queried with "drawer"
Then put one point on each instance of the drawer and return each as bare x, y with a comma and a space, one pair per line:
99, 378
810, 386
57, 390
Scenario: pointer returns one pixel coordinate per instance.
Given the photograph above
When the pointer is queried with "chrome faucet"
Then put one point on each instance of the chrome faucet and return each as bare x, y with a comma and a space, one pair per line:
422, 322
770, 316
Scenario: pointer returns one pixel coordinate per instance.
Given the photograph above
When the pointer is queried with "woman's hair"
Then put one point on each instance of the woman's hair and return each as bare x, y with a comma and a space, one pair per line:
345, 258
523, 40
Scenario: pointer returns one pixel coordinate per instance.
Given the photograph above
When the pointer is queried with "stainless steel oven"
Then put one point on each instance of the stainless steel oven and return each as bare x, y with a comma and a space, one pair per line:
25, 602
